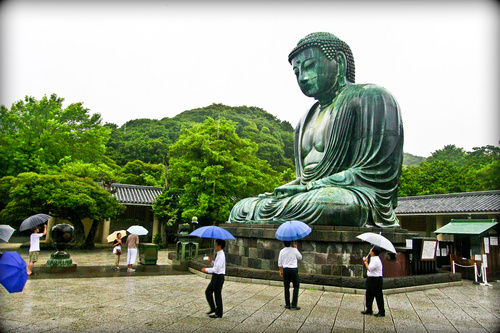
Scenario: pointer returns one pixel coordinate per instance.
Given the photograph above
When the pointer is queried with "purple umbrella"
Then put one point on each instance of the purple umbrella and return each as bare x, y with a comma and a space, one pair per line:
13, 274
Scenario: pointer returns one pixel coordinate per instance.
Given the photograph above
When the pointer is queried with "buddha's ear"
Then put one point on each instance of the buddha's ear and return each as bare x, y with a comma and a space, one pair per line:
342, 64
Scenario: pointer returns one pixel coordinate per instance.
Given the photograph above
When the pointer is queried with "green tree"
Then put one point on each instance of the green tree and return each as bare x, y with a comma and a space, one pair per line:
140, 173
89, 170
212, 166
451, 154
149, 140
63, 196
452, 170
36, 135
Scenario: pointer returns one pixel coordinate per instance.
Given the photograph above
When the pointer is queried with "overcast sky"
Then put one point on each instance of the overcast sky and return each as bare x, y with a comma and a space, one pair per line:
155, 59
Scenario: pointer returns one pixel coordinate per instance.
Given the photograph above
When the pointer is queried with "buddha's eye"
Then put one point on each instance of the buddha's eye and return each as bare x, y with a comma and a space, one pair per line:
309, 63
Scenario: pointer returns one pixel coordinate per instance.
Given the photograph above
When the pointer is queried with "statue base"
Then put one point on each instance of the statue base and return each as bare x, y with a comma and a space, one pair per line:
59, 259
327, 250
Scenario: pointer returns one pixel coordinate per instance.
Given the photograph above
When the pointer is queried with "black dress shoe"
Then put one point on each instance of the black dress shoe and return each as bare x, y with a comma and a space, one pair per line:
214, 316
287, 306
295, 307
379, 315
367, 312
210, 312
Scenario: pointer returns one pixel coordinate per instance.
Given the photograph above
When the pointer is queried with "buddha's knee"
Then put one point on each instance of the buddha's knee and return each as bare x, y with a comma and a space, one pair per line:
341, 207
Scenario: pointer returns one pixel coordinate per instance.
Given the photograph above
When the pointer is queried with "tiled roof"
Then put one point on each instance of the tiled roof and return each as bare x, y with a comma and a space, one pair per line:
136, 195
453, 203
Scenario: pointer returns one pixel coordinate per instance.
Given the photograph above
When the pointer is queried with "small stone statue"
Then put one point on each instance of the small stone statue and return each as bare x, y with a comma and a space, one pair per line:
348, 147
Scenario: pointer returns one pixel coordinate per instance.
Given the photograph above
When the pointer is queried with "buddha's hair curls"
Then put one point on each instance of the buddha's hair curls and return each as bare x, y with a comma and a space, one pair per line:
329, 44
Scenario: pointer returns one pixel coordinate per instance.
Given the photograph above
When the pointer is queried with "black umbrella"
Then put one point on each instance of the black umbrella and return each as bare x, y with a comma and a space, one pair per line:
34, 221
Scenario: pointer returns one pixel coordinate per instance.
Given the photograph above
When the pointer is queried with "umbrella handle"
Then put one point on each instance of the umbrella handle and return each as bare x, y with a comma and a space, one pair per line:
368, 256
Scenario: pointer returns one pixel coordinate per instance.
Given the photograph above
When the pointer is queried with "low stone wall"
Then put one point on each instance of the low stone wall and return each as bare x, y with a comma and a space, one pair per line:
330, 251
336, 281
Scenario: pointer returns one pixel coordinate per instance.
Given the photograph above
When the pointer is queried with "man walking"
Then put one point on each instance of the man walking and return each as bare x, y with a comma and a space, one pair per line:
215, 286
289, 271
374, 283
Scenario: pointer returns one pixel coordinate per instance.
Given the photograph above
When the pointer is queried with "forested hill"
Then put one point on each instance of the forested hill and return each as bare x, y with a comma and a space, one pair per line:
148, 140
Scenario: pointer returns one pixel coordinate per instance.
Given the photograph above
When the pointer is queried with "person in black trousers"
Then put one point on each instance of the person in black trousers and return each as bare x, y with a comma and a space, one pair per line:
215, 286
374, 283
289, 271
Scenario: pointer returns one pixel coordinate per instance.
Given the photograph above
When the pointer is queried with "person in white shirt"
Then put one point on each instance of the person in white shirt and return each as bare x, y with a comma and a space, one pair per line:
374, 283
35, 247
218, 270
289, 271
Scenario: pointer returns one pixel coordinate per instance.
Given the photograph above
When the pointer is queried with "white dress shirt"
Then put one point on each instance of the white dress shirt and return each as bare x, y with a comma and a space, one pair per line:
219, 264
375, 267
289, 257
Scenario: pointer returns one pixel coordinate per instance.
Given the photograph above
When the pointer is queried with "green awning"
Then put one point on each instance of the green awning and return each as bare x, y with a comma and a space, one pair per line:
467, 227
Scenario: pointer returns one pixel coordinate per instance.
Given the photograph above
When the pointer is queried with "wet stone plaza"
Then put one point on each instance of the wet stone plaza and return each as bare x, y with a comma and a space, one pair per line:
164, 302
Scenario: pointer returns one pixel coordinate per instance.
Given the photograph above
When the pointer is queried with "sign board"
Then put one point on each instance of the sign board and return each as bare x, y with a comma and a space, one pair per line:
428, 250
409, 243
494, 241
486, 245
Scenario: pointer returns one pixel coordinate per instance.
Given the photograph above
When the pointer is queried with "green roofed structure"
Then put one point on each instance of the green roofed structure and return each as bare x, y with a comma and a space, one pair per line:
467, 227
475, 241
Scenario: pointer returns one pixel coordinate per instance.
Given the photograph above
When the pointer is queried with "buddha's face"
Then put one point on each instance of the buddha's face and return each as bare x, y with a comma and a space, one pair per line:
316, 74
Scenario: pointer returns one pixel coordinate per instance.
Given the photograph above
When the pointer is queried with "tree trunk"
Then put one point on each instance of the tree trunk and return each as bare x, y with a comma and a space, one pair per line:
89, 242
79, 231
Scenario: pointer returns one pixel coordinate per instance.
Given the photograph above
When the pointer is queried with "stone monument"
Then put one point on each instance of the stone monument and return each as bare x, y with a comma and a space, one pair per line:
60, 261
348, 158
348, 147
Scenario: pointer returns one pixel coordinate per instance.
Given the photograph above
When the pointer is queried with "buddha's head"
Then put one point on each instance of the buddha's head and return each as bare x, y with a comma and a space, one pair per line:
322, 64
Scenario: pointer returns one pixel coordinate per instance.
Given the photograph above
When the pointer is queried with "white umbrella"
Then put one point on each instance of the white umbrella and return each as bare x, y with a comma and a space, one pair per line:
378, 240
5, 232
137, 230
114, 235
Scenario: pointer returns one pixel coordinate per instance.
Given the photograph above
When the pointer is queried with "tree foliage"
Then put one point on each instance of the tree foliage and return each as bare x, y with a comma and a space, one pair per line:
63, 196
212, 166
35, 136
452, 170
148, 140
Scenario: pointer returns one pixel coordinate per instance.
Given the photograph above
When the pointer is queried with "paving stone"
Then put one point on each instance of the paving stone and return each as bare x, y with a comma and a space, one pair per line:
176, 303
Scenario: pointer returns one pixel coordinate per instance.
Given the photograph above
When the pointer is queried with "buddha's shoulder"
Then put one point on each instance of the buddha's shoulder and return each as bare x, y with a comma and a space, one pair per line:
367, 89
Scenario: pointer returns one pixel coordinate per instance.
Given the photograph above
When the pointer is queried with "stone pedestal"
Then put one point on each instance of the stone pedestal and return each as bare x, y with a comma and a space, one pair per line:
327, 250
148, 253
59, 259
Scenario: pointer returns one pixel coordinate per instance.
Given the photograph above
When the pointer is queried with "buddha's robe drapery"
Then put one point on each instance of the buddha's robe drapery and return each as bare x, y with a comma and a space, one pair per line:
356, 181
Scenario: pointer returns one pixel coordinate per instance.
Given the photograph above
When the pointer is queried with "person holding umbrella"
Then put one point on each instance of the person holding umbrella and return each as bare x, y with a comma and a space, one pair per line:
117, 249
289, 271
132, 243
374, 283
35, 247
215, 286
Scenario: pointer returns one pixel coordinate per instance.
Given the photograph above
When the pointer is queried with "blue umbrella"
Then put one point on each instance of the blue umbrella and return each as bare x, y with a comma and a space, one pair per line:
13, 274
292, 230
212, 232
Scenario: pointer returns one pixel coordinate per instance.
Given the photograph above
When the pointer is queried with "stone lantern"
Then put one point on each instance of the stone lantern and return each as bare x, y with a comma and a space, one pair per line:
62, 235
